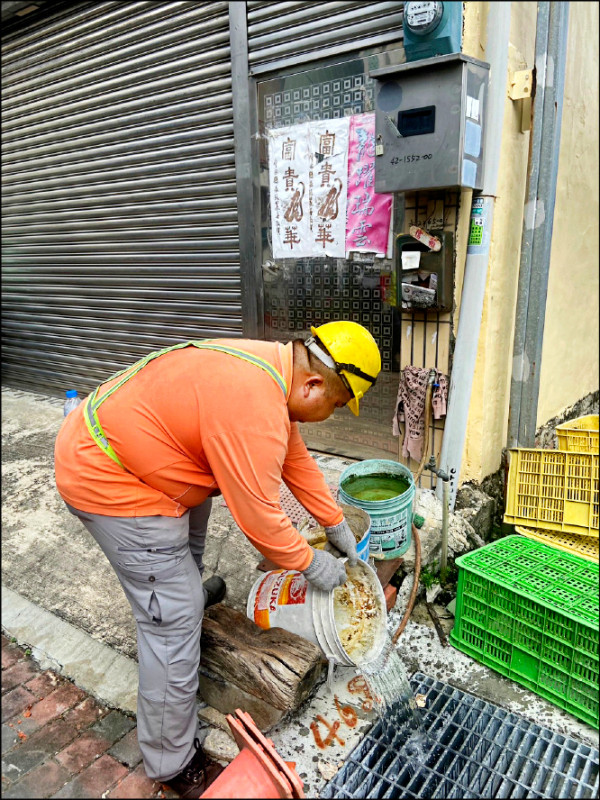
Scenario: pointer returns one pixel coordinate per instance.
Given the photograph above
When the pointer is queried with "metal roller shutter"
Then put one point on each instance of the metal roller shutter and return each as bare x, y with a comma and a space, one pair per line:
284, 34
119, 214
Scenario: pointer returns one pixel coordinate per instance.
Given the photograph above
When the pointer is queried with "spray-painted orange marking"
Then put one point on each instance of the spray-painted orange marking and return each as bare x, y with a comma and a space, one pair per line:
347, 713
333, 729
358, 685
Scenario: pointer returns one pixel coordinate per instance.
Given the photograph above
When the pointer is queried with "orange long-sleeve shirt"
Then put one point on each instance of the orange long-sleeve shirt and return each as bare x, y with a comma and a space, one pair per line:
190, 422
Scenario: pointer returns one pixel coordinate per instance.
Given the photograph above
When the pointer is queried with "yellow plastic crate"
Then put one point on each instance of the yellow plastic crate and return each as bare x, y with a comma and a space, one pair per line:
582, 546
553, 490
579, 435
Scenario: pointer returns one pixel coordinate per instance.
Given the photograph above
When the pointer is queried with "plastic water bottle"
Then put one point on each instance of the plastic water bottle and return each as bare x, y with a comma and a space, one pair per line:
72, 401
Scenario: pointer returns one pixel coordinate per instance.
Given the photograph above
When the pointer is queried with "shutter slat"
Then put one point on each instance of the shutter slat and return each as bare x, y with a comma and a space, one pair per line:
120, 230
283, 34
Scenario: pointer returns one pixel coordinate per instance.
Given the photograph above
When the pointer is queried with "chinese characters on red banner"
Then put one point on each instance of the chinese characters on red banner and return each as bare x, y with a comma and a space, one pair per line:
369, 214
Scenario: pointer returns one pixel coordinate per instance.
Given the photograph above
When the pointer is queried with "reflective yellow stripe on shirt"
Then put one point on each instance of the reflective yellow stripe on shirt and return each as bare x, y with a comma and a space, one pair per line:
91, 405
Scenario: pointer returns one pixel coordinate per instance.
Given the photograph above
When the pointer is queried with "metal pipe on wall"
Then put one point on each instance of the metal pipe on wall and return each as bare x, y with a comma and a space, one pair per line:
247, 178
476, 266
550, 64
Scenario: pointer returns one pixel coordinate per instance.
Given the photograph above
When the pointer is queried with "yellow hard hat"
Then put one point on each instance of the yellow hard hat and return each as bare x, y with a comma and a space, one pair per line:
352, 352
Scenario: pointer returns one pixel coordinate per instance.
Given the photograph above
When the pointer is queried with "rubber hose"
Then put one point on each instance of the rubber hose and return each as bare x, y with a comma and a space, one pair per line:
413, 594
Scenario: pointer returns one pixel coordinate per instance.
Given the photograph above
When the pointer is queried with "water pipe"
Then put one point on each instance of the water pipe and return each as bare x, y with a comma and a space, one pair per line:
445, 478
413, 594
476, 265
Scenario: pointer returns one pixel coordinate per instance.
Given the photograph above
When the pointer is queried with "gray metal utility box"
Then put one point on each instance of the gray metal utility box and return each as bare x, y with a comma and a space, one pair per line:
429, 118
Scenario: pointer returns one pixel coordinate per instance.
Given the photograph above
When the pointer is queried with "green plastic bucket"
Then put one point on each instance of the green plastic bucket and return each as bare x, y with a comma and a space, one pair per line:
390, 519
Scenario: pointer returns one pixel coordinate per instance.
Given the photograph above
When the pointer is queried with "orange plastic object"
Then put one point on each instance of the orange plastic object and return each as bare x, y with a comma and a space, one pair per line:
269, 749
247, 776
258, 771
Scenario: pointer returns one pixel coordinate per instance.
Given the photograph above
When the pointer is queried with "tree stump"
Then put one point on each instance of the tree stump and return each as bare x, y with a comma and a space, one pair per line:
265, 672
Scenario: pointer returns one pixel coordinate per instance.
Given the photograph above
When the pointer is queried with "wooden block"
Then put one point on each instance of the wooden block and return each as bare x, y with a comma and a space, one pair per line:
274, 665
225, 697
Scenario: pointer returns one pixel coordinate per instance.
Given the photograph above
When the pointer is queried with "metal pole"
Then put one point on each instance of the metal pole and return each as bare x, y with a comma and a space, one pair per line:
445, 515
550, 65
245, 129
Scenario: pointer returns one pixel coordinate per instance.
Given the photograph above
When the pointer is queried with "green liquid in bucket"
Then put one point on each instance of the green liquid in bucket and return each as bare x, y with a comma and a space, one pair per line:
371, 488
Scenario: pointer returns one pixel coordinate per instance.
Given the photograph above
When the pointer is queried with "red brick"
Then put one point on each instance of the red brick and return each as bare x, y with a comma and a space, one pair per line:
15, 701
85, 714
26, 725
136, 784
390, 596
85, 749
42, 781
95, 780
57, 702
43, 684
10, 655
21, 672
50, 738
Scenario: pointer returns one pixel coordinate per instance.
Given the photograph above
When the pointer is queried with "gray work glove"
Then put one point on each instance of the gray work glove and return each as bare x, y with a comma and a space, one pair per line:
342, 538
325, 571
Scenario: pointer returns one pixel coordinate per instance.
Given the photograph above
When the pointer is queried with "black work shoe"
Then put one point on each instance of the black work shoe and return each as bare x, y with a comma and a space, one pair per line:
215, 589
195, 779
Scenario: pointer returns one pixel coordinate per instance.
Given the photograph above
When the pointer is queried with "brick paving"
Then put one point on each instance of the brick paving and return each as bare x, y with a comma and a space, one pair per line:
58, 741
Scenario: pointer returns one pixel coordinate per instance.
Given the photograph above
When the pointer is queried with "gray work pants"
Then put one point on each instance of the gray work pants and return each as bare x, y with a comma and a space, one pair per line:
158, 561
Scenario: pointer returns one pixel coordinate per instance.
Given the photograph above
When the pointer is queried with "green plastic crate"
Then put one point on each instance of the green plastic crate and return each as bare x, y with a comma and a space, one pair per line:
530, 612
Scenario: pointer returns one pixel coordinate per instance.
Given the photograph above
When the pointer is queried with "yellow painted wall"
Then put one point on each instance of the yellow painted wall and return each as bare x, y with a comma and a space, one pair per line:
488, 410
570, 347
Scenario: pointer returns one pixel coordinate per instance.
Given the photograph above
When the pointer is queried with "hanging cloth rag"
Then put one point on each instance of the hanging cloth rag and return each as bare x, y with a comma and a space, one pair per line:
410, 407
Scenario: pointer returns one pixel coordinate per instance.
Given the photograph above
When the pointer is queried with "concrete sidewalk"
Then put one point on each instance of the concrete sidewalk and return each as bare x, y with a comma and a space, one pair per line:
62, 601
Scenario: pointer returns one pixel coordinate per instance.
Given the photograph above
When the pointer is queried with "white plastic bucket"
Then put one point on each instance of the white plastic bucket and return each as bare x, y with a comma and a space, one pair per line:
285, 599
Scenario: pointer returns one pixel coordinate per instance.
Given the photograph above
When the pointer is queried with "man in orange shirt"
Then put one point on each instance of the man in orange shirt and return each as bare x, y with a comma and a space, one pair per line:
138, 462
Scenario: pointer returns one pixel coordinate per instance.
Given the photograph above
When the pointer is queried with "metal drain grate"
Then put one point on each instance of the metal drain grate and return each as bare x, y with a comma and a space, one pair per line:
473, 749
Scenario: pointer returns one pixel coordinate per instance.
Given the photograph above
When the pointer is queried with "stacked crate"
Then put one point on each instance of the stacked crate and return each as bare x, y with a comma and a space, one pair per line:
552, 495
527, 605
530, 612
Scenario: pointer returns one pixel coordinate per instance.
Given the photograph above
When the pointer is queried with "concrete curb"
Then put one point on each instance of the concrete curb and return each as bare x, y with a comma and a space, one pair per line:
58, 645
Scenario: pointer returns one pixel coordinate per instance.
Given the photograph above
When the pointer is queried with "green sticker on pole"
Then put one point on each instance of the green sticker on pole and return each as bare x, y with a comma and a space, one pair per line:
479, 234
476, 232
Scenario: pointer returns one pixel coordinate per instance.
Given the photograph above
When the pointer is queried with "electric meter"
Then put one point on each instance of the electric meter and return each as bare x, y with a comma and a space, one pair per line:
432, 29
422, 18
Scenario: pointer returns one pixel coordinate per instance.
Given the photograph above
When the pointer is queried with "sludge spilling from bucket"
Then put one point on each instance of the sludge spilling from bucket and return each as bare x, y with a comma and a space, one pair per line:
348, 624
386, 491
